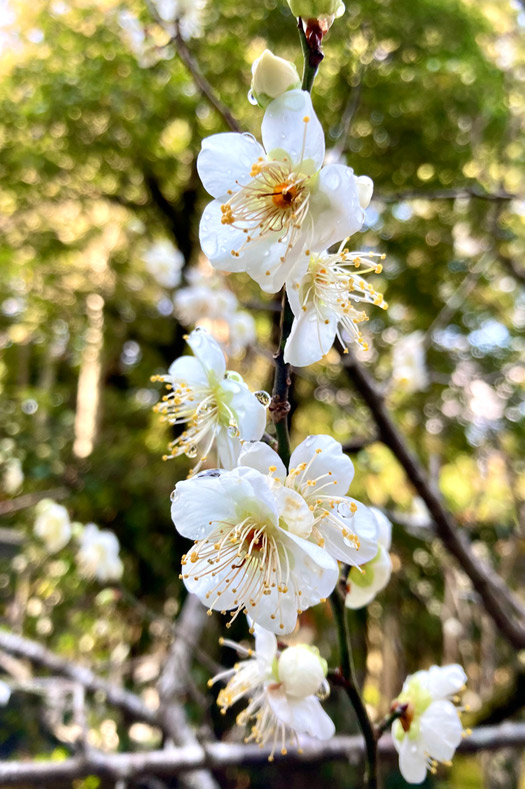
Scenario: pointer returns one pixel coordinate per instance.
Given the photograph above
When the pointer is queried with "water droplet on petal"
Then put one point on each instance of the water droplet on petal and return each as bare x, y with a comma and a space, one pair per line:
192, 451
251, 98
175, 496
231, 375
263, 397
233, 430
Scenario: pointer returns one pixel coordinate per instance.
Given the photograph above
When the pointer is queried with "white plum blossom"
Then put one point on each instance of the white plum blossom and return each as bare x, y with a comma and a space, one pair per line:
98, 555
430, 729
251, 553
215, 406
13, 476
409, 371
324, 301
5, 693
275, 204
365, 582
52, 525
319, 476
242, 332
204, 301
164, 262
188, 14
282, 690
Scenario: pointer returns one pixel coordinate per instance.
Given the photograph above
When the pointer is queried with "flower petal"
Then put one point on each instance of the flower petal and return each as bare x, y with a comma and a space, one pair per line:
188, 370
305, 716
260, 456
265, 644
335, 206
444, 681
310, 339
379, 570
228, 448
315, 572
384, 533
330, 463
225, 161
361, 523
412, 761
208, 352
284, 127
249, 412
441, 730
293, 510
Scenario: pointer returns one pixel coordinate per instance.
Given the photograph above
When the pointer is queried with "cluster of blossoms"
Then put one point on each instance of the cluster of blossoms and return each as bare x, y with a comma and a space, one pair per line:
98, 550
208, 303
271, 541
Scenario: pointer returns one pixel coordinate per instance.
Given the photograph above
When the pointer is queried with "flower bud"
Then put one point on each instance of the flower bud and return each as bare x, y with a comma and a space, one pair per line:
301, 670
272, 76
316, 9
365, 187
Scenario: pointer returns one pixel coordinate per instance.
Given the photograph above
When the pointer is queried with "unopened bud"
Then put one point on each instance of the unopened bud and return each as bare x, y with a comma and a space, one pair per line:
272, 76
317, 9
365, 187
301, 670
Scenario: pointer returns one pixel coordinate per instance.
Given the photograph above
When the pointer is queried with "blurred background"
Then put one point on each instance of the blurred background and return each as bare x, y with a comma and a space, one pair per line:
100, 126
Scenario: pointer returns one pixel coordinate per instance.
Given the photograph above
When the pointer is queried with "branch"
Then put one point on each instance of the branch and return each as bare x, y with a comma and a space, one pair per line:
497, 597
201, 81
128, 702
447, 194
279, 407
30, 499
215, 756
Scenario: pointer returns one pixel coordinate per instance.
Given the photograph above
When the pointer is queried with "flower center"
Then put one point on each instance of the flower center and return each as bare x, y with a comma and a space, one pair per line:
285, 194
248, 563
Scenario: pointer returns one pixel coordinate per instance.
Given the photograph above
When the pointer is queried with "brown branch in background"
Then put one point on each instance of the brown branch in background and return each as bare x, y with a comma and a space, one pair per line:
30, 499
446, 194
38, 655
500, 603
173, 683
201, 81
219, 755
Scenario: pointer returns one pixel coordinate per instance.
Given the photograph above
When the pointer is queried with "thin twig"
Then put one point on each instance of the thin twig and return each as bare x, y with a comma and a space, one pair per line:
446, 194
30, 499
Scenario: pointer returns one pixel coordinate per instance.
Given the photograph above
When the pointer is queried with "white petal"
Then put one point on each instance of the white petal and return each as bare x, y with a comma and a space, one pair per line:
365, 187
188, 370
310, 339
228, 448
225, 161
335, 206
319, 464
380, 571
441, 730
260, 456
315, 572
344, 548
384, 534
363, 523
412, 761
208, 352
305, 716
293, 510
249, 412
283, 127
201, 502
445, 681
266, 267
218, 240
265, 644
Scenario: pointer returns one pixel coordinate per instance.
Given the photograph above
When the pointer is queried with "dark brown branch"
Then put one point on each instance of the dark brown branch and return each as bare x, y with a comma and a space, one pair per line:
219, 755
506, 611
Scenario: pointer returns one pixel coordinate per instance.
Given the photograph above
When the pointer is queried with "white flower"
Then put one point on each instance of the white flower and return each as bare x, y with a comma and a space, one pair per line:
5, 693
203, 302
274, 204
215, 407
430, 730
164, 262
317, 9
409, 371
242, 332
13, 476
365, 582
188, 13
52, 525
323, 302
272, 76
99, 554
320, 475
251, 552
281, 691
